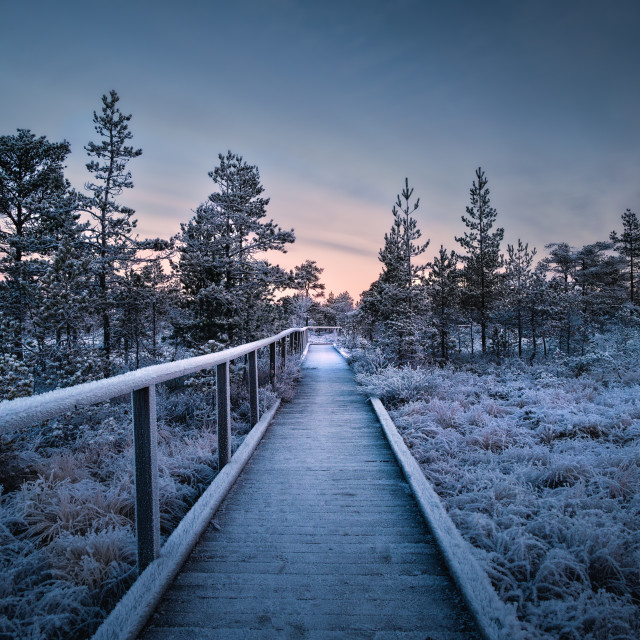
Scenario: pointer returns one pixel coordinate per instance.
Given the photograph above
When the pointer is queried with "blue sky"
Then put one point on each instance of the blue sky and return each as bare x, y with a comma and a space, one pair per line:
336, 102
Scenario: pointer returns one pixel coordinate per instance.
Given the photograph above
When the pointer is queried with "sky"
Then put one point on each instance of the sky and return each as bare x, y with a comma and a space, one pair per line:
337, 102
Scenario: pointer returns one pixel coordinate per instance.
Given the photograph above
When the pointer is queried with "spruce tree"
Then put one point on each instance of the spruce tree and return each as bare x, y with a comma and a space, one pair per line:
112, 227
483, 258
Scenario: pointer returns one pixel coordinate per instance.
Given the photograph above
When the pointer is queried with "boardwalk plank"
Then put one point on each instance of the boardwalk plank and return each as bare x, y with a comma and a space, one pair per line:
320, 537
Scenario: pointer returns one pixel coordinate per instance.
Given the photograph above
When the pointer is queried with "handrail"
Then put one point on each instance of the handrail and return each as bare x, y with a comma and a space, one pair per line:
22, 412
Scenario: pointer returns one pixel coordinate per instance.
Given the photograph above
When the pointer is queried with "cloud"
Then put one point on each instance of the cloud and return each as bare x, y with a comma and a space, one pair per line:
342, 247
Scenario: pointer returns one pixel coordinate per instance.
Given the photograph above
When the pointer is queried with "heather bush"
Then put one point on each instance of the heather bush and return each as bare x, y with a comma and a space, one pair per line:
67, 535
539, 468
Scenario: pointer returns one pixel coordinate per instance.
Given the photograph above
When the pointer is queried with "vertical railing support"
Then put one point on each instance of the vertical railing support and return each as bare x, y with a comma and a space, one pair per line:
254, 406
272, 363
283, 353
145, 442
223, 397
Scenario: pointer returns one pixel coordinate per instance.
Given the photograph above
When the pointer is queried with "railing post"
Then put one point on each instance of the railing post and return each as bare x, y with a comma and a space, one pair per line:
253, 388
272, 363
223, 396
145, 442
283, 353
292, 343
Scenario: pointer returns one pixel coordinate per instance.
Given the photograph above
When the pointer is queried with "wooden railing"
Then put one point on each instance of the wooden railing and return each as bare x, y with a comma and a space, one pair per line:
25, 412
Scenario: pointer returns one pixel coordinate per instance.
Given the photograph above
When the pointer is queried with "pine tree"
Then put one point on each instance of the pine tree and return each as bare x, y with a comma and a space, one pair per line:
442, 289
159, 298
306, 279
112, 226
229, 286
400, 247
338, 308
35, 199
537, 308
483, 258
65, 310
562, 262
394, 305
519, 281
627, 244
600, 280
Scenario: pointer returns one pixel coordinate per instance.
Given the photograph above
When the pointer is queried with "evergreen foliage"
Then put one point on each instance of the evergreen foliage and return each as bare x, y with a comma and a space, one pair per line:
229, 286
112, 223
394, 305
483, 259
35, 200
306, 279
628, 245
519, 281
443, 292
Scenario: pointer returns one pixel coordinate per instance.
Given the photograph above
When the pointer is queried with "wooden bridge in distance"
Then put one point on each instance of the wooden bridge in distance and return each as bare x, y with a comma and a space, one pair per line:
320, 537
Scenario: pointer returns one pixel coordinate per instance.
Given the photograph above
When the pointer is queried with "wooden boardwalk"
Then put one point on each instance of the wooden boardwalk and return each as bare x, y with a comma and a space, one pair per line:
319, 538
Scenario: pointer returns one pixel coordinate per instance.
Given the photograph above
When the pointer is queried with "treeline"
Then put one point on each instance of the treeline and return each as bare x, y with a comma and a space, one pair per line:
478, 299
82, 297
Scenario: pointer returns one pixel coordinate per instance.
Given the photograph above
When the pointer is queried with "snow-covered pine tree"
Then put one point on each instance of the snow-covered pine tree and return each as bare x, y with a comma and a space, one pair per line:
302, 307
402, 238
112, 224
444, 295
16, 377
600, 279
337, 309
306, 279
483, 259
34, 200
65, 315
394, 305
228, 283
518, 283
537, 309
562, 302
160, 298
627, 244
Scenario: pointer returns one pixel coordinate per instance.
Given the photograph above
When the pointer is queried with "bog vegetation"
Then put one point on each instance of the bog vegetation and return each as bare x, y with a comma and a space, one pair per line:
511, 378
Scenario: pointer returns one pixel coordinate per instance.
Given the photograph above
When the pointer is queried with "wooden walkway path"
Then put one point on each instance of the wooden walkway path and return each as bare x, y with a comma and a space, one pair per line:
319, 538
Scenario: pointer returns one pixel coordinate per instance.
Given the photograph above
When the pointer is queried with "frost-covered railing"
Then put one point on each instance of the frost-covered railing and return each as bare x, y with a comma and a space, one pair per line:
24, 412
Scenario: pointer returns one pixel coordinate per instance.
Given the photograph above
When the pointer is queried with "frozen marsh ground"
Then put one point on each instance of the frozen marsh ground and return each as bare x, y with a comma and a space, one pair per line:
67, 541
539, 468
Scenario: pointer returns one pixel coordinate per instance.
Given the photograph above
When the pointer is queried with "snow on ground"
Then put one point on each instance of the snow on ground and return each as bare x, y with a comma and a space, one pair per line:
539, 468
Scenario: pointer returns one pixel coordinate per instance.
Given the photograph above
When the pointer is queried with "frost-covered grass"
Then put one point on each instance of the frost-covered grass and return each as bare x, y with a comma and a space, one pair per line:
67, 542
539, 468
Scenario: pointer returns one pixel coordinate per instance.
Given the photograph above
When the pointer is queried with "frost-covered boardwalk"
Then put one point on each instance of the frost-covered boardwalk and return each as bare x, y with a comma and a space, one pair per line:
319, 538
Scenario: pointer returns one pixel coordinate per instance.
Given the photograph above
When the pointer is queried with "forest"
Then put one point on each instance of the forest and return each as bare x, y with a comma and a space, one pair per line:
512, 378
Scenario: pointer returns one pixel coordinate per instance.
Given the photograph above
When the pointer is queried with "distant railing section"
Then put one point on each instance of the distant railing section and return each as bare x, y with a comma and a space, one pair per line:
335, 331
23, 412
